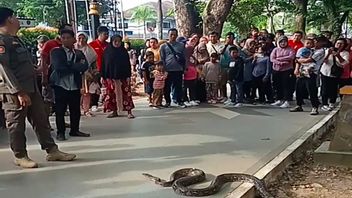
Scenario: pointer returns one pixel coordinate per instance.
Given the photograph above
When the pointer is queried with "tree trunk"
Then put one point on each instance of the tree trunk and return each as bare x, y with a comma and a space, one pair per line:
186, 17
215, 14
160, 20
337, 24
301, 14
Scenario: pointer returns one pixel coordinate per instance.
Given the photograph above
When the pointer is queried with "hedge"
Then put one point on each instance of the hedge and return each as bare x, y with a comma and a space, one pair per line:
30, 35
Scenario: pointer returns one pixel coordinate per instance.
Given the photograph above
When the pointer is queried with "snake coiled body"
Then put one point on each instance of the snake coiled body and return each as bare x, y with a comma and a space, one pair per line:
181, 179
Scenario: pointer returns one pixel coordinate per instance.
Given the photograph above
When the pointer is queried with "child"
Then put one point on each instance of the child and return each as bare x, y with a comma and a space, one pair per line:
95, 92
190, 82
148, 78
236, 72
211, 75
304, 69
158, 85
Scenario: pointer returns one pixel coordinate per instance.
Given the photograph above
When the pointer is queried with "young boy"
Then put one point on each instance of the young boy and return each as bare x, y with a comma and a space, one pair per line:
148, 77
211, 75
236, 69
158, 84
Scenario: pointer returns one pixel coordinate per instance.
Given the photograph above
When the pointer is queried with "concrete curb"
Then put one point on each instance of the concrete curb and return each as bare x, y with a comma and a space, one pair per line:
276, 166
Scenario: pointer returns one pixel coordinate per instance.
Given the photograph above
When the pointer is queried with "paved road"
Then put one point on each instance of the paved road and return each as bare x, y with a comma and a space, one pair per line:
110, 163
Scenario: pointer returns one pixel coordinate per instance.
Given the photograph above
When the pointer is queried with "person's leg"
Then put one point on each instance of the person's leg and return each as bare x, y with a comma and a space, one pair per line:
334, 90
285, 81
311, 86
208, 88
186, 87
240, 92
118, 93
223, 82
260, 85
127, 100
214, 91
94, 100
15, 120
61, 101
75, 114
86, 98
192, 90
268, 90
177, 81
277, 76
233, 92
324, 89
38, 118
167, 88
300, 86
159, 97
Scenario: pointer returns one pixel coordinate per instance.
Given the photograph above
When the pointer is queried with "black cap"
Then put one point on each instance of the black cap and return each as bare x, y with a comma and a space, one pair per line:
5, 13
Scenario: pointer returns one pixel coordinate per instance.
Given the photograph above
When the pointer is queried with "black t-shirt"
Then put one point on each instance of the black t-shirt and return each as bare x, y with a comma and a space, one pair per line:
148, 68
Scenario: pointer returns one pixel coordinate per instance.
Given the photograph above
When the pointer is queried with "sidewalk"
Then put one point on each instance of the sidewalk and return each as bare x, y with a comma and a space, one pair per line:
110, 163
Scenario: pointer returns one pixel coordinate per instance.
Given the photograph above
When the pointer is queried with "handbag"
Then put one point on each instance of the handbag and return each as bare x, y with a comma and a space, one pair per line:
179, 57
336, 70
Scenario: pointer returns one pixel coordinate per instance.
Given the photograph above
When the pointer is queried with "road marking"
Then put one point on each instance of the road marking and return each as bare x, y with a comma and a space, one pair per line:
224, 113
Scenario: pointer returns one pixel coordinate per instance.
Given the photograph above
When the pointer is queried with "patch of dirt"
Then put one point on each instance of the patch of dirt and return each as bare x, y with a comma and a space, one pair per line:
305, 179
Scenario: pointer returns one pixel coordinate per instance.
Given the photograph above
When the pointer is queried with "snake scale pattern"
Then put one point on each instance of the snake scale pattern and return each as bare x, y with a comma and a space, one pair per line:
181, 179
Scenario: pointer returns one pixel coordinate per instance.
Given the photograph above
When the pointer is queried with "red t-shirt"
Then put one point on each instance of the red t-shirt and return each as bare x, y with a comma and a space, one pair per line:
99, 48
295, 45
45, 53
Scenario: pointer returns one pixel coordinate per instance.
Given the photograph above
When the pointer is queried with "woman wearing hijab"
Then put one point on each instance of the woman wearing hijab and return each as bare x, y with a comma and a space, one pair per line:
116, 72
247, 55
91, 57
201, 55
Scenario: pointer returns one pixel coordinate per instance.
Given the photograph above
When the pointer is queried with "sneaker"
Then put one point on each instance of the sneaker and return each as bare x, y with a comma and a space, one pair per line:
223, 100
331, 106
209, 101
285, 105
156, 108
188, 104
314, 111
238, 105
194, 103
296, 109
213, 102
277, 103
181, 105
325, 108
57, 155
150, 104
227, 102
25, 162
197, 101
94, 108
167, 105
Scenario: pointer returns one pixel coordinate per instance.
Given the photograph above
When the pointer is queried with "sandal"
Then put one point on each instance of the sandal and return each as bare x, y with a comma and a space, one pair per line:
113, 115
130, 116
88, 114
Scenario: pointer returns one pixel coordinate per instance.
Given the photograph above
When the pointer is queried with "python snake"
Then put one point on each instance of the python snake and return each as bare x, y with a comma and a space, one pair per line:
181, 179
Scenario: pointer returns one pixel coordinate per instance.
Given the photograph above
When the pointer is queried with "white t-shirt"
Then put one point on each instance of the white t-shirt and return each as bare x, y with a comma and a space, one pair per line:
215, 48
326, 67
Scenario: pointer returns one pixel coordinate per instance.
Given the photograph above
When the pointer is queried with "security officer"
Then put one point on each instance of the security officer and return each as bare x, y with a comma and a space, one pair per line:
20, 95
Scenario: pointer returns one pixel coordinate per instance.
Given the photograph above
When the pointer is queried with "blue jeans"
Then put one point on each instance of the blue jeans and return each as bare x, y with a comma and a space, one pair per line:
237, 93
173, 83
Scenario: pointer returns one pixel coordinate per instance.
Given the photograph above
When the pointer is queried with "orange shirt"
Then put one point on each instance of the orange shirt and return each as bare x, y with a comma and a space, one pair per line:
45, 53
99, 48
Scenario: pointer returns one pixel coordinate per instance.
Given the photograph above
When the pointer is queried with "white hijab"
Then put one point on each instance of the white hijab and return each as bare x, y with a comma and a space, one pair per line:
87, 50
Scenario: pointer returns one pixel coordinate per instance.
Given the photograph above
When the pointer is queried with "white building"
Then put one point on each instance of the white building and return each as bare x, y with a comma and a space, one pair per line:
134, 29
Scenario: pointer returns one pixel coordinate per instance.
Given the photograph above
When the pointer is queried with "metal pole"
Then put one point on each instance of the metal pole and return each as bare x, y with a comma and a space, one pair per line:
67, 12
74, 16
122, 21
88, 20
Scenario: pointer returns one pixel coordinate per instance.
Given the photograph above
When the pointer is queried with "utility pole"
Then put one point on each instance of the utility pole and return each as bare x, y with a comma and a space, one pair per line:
71, 17
94, 16
122, 20
160, 20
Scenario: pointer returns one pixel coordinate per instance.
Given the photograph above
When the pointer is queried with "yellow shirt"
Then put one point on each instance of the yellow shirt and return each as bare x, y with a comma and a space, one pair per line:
156, 54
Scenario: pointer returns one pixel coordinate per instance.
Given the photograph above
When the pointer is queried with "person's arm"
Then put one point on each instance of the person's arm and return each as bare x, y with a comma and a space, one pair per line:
59, 62
7, 76
273, 57
81, 65
289, 57
343, 58
163, 54
269, 68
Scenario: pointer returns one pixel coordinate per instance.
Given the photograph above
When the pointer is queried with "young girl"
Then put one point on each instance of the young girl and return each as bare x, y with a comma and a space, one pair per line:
190, 82
211, 75
159, 83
